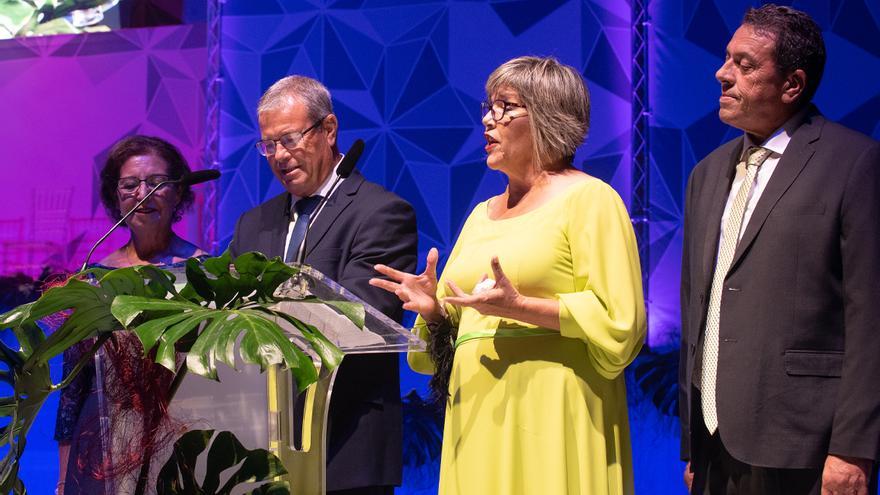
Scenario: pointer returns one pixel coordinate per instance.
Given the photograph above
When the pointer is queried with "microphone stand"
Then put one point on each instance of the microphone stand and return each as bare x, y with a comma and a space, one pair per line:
297, 284
132, 210
301, 250
346, 166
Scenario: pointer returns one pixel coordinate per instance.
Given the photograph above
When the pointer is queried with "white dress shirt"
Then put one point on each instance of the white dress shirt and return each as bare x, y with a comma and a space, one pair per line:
776, 143
323, 191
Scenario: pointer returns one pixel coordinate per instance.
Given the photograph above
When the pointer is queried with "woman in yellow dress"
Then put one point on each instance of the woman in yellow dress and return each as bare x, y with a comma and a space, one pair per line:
539, 308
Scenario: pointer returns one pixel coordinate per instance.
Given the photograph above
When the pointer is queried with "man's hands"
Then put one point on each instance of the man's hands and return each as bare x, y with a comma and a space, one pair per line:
846, 475
688, 477
840, 476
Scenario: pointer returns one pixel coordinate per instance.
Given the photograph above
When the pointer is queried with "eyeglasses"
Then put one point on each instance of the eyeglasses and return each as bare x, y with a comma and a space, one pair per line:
266, 147
128, 185
499, 108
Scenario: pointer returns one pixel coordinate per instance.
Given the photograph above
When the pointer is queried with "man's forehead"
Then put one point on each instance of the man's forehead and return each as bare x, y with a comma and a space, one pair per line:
752, 37
287, 112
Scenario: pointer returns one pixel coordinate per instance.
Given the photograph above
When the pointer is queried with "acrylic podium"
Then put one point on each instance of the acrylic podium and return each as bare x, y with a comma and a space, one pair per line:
259, 408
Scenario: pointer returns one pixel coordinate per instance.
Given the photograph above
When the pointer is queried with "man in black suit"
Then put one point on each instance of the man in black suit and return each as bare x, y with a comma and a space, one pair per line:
360, 225
780, 355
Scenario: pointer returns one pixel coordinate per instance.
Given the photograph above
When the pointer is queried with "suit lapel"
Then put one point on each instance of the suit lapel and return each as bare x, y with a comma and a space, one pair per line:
275, 222
717, 200
338, 202
797, 154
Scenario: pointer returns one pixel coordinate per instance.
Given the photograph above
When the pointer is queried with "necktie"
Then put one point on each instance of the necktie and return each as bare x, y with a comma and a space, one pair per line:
304, 209
730, 237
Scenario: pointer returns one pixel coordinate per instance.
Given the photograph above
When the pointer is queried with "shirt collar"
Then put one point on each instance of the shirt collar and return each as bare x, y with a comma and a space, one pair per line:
778, 141
324, 190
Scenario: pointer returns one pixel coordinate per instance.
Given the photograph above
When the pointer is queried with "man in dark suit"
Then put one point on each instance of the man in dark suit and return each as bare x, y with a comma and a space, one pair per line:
780, 355
360, 225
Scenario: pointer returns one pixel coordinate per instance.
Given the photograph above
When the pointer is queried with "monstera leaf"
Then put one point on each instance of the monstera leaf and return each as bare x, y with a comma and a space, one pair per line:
229, 304
178, 475
27, 369
206, 317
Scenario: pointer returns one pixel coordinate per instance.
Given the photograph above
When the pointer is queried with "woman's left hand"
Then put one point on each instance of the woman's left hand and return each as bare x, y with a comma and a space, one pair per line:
502, 300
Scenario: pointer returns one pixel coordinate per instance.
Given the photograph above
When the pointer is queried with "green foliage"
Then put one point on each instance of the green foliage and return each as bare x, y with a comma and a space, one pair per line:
27, 369
178, 475
38, 17
206, 317
229, 304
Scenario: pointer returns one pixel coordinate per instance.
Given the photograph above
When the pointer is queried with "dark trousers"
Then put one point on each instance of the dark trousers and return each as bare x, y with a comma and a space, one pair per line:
367, 490
716, 472
721, 474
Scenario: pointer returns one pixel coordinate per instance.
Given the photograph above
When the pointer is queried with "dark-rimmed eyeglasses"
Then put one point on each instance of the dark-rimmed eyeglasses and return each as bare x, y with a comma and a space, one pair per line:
497, 109
266, 147
128, 185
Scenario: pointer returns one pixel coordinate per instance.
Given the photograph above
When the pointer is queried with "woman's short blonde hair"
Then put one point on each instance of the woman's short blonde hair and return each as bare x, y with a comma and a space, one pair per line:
558, 102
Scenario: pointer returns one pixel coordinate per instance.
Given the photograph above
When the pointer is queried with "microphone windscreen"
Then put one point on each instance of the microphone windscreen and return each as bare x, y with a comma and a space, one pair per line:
350, 159
199, 176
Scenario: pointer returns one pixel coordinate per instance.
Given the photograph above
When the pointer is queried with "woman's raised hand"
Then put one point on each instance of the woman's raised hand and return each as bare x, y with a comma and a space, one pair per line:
496, 299
417, 292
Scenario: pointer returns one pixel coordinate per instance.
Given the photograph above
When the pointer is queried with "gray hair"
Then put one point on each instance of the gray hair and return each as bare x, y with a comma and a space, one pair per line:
557, 99
297, 89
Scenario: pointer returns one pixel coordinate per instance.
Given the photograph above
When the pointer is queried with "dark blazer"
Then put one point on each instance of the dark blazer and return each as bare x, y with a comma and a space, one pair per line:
362, 224
799, 341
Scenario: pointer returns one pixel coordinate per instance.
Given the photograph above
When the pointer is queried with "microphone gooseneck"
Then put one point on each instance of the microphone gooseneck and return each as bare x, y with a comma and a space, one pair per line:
187, 179
345, 168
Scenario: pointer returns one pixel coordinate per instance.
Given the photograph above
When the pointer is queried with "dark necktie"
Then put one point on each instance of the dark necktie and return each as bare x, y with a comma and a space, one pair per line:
304, 209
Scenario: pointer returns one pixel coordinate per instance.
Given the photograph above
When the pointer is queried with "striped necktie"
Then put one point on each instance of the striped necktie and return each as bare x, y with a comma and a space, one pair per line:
729, 239
304, 209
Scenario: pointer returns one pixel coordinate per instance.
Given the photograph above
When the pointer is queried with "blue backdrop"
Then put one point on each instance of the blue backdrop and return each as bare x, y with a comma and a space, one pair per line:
407, 76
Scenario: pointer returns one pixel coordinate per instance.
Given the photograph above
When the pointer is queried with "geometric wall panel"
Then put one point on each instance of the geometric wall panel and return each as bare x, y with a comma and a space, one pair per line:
405, 77
65, 100
687, 47
408, 78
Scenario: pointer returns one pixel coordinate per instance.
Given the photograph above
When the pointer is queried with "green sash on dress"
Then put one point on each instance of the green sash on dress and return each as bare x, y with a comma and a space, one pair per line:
503, 332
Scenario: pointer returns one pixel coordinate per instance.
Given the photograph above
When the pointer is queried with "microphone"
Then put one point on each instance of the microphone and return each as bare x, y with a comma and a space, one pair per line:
350, 159
185, 180
345, 168
198, 177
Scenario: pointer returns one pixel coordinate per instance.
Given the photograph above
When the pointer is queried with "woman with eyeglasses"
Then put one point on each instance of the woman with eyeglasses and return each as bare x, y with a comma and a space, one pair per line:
539, 307
133, 397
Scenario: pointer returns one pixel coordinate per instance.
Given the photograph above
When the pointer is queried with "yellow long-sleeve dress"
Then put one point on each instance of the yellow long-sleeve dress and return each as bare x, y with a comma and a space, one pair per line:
534, 410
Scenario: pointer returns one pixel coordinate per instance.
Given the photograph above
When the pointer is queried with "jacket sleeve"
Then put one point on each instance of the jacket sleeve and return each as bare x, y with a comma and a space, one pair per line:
683, 384
386, 235
856, 425
234, 245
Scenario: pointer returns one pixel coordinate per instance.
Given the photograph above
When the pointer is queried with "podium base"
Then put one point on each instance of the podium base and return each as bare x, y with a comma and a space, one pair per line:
306, 466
